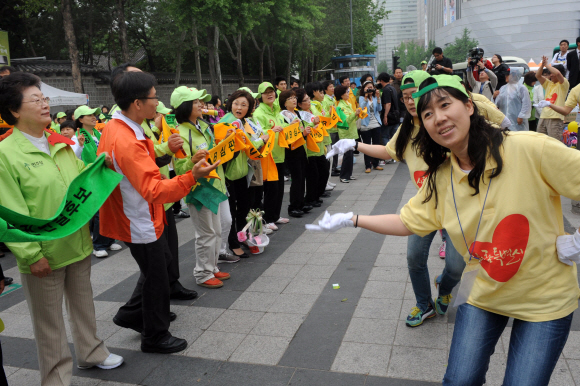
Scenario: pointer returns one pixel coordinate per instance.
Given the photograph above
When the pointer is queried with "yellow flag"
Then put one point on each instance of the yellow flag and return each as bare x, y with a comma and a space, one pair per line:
292, 133
363, 114
311, 144
317, 134
296, 144
225, 150
166, 133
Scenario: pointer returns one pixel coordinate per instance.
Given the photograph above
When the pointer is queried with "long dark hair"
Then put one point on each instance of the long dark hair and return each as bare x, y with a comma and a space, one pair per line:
405, 133
484, 140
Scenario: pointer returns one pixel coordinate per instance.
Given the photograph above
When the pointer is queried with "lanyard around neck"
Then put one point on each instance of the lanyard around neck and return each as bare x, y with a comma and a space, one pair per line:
480, 216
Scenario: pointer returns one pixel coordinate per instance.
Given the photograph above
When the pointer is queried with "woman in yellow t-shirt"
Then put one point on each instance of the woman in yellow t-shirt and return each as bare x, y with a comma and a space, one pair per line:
509, 243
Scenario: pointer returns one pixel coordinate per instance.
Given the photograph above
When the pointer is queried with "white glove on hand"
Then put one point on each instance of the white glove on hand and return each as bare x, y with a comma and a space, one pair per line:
542, 104
568, 247
332, 223
341, 147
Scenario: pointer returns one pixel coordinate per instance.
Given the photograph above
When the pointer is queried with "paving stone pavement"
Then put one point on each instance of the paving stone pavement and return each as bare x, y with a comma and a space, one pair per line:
278, 321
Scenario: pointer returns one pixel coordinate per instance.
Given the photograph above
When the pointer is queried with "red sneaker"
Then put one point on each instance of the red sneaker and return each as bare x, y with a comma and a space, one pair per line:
222, 275
212, 283
442, 250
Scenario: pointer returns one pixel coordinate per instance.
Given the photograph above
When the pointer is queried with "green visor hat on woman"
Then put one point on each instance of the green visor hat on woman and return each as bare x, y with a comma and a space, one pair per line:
185, 94
417, 76
161, 109
253, 94
86, 110
264, 86
440, 81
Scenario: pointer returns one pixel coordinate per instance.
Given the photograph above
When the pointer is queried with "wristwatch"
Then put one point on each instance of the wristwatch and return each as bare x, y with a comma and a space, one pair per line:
356, 146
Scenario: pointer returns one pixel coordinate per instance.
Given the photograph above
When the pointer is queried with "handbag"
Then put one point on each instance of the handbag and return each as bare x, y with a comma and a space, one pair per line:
257, 177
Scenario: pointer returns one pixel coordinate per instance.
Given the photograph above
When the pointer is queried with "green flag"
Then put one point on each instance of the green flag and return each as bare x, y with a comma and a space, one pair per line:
89, 154
84, 196
205, 194
343, 124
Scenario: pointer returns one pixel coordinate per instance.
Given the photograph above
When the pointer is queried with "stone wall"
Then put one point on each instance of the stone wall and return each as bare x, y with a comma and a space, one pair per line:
100, 94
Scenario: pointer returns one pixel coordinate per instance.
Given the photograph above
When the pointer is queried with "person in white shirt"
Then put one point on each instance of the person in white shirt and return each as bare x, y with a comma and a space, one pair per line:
561, 57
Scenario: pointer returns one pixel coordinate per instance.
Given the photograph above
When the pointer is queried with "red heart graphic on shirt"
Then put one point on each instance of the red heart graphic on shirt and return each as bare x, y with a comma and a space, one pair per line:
553, 98
503, 256
420, 177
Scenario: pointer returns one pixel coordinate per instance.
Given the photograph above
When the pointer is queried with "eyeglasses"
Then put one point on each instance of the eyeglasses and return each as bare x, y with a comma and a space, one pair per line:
153, 97
291, 99
39, 101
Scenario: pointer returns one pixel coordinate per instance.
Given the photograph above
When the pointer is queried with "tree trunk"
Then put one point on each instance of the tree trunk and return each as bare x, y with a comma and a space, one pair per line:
73, 52
196, 54
289, 67
272, 62
238, 43
261, 52
211, 60
178, 59
218, 70
123, 30
28, 40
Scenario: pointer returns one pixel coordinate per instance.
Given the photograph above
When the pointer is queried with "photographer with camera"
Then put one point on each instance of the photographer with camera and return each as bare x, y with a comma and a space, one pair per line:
487, 79
370, 129
441, 63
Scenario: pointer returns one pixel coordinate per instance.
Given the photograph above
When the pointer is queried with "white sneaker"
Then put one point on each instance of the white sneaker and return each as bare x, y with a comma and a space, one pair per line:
283, 220
115, 247
271, 226
381, 163
286, 178
102, 253
328, 187
267, 231
331, 184
113, 361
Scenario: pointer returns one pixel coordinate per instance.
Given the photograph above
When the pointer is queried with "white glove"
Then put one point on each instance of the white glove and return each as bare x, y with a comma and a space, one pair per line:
332, 223
542, 104
568, 247
341, 147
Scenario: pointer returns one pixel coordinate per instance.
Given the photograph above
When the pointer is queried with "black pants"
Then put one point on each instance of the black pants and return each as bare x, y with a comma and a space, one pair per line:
273, 196
334, 138
177, 206
371, 137
346, 169
239, 200
3, 381
255, 194
170, 233
149, 304
296, 161
316, 177
533, 125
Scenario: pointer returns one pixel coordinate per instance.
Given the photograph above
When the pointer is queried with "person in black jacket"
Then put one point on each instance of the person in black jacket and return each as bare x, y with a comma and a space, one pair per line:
500, 69
573, 65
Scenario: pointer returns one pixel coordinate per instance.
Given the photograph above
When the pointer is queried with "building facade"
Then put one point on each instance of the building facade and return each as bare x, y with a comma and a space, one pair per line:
524, 28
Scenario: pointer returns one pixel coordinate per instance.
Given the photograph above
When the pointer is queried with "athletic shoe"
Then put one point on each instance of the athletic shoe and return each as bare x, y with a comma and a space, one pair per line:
271, 226
212, 283
331, 184
442, 250
328, 187
102, 253
416, 317
112, 361
182, 214
335, 174
442, 304
227, 258
344, 180
283, 220
378, 168
267, 231
352, 177
222, 275
367, 170
115, 247
286, 178
381, 163
391, 161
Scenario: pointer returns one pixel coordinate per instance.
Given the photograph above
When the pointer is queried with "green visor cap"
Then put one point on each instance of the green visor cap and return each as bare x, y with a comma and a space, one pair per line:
86, 110
418, 76
424, 62
61, 115
253, 94
264, 86
184, 94
161, 109
440, 81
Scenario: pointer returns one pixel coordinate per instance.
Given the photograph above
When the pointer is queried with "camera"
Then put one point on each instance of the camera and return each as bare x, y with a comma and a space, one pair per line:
475, 56
370, 91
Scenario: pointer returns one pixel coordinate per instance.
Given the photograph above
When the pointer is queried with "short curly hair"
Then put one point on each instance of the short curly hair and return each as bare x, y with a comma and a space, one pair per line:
241, 94
11, 88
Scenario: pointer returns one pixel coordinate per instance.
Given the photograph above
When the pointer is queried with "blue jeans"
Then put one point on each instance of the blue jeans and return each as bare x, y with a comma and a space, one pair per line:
534, 348
100, 242
387, 133
417, 255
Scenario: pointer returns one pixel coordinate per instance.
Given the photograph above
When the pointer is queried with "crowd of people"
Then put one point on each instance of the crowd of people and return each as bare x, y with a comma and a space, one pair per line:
456, 137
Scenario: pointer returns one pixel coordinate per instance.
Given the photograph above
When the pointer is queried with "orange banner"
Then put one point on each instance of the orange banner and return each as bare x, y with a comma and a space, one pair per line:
166, 133
363, 114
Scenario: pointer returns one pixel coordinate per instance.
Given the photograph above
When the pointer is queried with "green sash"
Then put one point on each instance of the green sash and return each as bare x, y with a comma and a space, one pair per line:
89, 154
343, 124
84, 196
205, 194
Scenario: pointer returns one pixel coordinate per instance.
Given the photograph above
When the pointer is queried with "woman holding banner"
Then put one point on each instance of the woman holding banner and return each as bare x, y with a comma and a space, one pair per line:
346, 129
267, 116
317, 170
208, 196
34, 177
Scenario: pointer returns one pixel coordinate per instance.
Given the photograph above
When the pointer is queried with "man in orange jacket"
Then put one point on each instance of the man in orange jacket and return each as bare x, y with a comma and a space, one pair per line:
134, 212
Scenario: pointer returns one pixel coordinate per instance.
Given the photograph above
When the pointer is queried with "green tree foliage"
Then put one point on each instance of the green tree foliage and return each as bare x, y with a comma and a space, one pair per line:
383, 66
412, 54
459, 49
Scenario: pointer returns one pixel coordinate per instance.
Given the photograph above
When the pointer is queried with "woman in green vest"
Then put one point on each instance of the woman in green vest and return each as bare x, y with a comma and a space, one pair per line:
346, 129
317, 170
267, 116
240, 105
205, 200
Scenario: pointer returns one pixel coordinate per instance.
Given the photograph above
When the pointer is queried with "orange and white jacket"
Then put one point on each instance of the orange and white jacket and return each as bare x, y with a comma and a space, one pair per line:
134, 212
